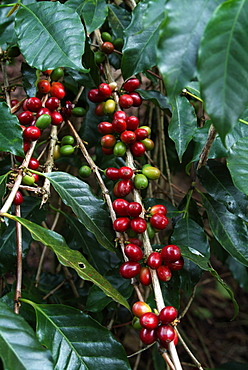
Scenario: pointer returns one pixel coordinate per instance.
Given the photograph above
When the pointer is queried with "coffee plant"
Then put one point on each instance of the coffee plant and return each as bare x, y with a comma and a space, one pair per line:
124, 179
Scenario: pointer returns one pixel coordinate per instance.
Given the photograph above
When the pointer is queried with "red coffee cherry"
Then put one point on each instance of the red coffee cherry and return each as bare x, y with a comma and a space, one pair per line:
105, 128
137, 100
26, 146
107, 151
145, 276
105, 90
141, 134
165, 333
33, 164
138, 224
120, 114
107, 47
13, 102
33, 104
134, 209
171, 253
52, 103
44, 86
133, 252
129, 269
100, 109
175, 341
18, 200
138, 149
125, 173
121, 224
57, 90
57, 118
140, 307
123, 188
128, 137
154, 260
94, 96
159, 221
112, 173
31, 133
42, 111
125, 101
177, 265
120, 207
108, 141
136, 241
168, 314
158, 208
148, 336
25, 118
149, 320
131, 84
164, 273
119, 125
132, 123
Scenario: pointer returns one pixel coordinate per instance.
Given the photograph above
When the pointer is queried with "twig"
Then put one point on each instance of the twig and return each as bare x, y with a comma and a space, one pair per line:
54, 290
18, 261
206, 149
194, 359
188, 304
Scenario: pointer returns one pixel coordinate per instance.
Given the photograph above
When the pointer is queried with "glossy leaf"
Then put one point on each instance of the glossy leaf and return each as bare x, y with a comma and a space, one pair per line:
239, 131
89, 131
94, 12
90, 210
119, 19
237, 164
29, 79
3, 182
178, 64
156, 97
239, 271
153, 12
60, 30
230, 230
77, 340
19, 346
138, 59
194, 88
221, 69
70, 258
217, 180
10, 132
183, 124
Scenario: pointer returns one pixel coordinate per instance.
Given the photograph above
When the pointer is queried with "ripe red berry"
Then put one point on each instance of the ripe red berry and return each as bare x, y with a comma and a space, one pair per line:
42, 111
141, 134
175, 341
44, 86
107, 47
120, 207
121, 224
168, 314
149, 320
57, 118
107, 151
165, 333
148, 336
138, 149
125, 101
123, 188
33, 104
105, 128
154, 260
138, 224
125, 173
164, 273
159, 221
112, 173
177, 265
26, 146
171, 253
137, 100
120, 114
33, 164
108, 141
136, 241
104, 90
94, 96
13, 102
57, 90
140, 307
129, 269
119, 125
134, 209
52, 103
31, 133
131, 84
158, 208
133, 252
25, 118
18, 198
132, 123
128, 137
145, 276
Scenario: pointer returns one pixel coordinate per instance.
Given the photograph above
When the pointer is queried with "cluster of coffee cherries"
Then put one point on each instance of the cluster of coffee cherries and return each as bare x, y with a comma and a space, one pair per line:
155, 327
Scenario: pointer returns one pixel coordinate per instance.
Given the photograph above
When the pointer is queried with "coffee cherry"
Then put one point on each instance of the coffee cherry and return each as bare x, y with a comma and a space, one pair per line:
134, 209
141, 134
57, 90
133, 252
119, 125
105, 128
112, 173
138, 149
175, 341
129, 269
57, 73
148, 143
18, 200
131, 84
26, 146
120, 207
136, 323
140, 307
125, 173
118, 43
128, 137
119, 149
165, 333
149, 320
99, 109
136, 241
170, 253
107, 151
140, 181
123, 188
108, 141
33, 104
168, 314
154, 260
125, 101
145, 276
57, 118
31, 133
28, 180
94, 96
158, 208
33, 164
78, 111
44, 86
43, 121
107, 47
121, 224
67, 140
159, 221
120, 114
66, 150
148, 336
25, 118
132, 123
152, 173
164, 273
106, 37
150, 230
138, 224
56, 152
177, 265
99, 57
42, 111
104, 90
52, 103
84, 171
137, 100
109, 106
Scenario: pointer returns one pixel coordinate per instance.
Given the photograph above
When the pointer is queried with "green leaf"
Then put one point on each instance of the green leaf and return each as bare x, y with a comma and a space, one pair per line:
153, 12
156, 97
70, 258
179, 40
90, 210
11, 139
230, 230
29, 79
216, 179
50, 35
3, 182
88, 131
94, 12
239, 272
119, 19
19, 346
222, 70
76, 340
183, 124
194, 88
237, 164
139, 50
